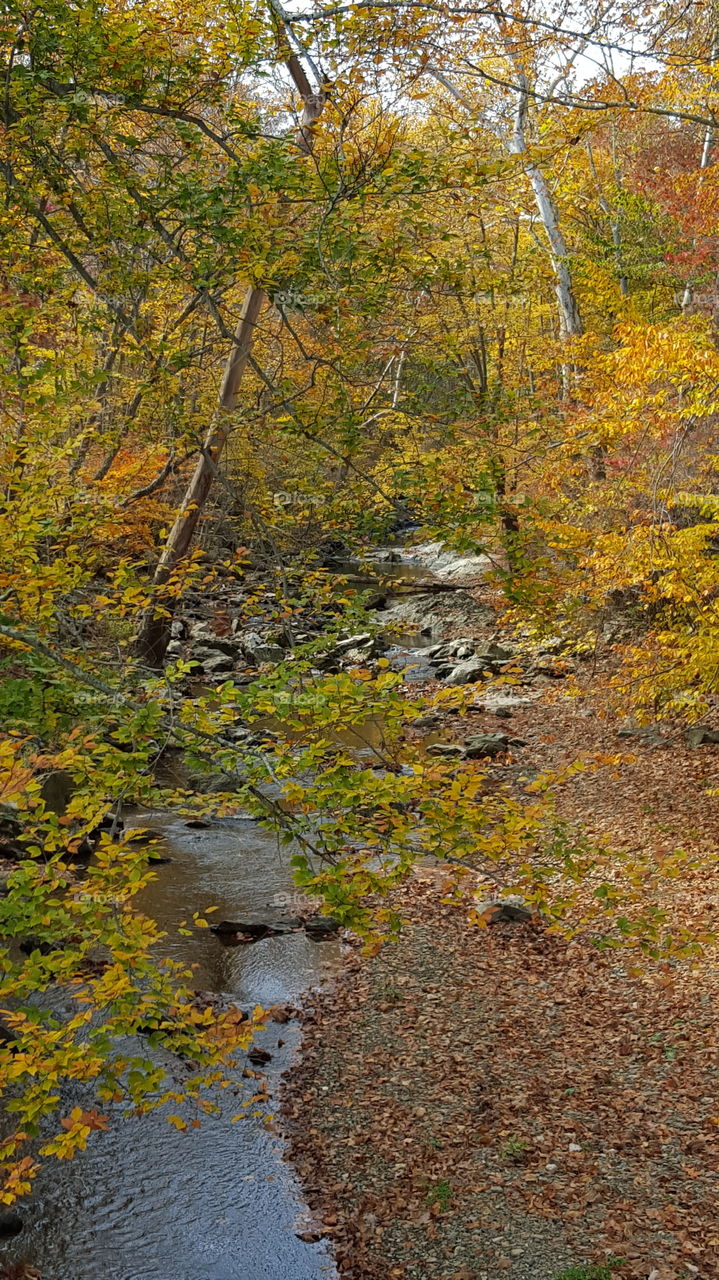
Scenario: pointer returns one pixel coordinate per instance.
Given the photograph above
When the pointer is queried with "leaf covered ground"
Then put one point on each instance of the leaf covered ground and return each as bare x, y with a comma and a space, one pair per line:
502, 1102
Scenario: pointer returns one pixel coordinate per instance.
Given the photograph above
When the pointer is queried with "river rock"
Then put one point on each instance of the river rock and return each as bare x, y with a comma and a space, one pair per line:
469, 671
354, 642
446, 749
321, 928
259, 650
484, 745
427, 722
700, 735
231, 931
509, 910
259, 1057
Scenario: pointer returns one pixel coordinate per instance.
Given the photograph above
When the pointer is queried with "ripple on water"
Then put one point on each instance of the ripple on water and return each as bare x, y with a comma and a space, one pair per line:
145, 1202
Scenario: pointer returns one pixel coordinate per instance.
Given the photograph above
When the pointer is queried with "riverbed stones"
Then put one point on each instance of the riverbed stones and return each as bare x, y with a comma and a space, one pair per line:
230, 931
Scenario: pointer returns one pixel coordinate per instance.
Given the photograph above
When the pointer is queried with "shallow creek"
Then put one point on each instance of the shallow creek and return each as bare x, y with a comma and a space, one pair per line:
145, 1202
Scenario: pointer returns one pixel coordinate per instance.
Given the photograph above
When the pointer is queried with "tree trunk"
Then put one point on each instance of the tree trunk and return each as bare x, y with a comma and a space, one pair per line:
154, 634
570, 321
155, 630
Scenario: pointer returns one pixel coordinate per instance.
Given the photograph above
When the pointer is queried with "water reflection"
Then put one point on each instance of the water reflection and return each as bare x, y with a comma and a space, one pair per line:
216, 1203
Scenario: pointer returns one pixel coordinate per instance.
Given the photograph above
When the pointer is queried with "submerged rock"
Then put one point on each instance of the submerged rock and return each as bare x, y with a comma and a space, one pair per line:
233, 932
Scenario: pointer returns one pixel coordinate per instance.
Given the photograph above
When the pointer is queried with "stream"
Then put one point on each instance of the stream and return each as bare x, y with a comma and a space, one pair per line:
146, 1202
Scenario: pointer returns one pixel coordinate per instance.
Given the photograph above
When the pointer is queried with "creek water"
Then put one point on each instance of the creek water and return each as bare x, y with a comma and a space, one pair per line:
146, 1202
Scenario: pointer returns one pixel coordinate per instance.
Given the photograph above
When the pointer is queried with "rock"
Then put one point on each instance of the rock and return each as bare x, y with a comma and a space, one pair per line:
498, 653
8, 1037
320, 928
469, 671
451, 566
215, 663
354, 642
32, 944
446, 749
259, 1057
206, 641
484, 745
437, 650
426, 722
11, 1224
503, 713
700, 735
258, 650
510, 910
356, 657
501, 701
197, 824
649, 734
234, 931
463, 651
215, 783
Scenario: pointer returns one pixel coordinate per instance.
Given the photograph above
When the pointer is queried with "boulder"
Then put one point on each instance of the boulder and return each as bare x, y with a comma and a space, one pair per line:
204, 640
233, 931
446, 749
429, 721
259, 1057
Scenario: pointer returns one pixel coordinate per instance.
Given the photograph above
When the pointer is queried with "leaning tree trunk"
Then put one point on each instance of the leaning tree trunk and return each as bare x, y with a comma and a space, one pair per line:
155, 632
155, 629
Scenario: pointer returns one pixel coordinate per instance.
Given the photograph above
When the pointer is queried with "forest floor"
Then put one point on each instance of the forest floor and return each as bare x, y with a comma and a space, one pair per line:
503, 1104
